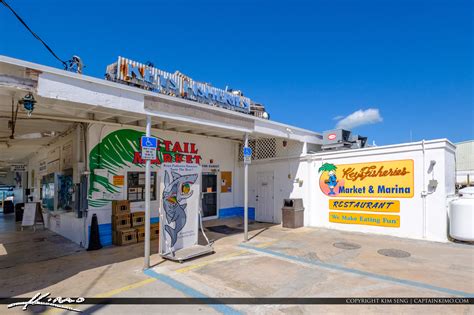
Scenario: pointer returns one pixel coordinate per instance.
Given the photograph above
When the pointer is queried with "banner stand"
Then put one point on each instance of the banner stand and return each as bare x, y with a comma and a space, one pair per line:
181, 213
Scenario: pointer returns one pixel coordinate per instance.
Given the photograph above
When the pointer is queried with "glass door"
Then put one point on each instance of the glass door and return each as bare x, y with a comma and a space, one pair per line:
209, 195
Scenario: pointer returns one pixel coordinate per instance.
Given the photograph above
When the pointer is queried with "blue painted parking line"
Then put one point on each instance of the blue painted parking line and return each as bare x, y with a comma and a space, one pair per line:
416, 284
224, 309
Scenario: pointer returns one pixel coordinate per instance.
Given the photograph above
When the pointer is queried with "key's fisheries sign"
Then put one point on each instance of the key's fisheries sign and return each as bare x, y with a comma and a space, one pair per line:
175, 84
387, 179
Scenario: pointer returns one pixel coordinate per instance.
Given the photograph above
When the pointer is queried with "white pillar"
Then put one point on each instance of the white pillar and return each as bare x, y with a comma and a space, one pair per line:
147, 199
246, 193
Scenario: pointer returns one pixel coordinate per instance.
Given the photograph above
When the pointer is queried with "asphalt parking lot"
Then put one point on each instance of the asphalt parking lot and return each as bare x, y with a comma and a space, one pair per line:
276, 262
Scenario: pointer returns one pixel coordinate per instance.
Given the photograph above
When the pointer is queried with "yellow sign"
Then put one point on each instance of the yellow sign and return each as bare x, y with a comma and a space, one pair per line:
365, 205
365, 219
226, 182
118, 180
388, 179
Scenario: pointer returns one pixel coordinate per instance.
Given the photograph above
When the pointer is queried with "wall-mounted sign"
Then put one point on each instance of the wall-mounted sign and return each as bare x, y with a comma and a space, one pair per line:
18, 168
226, 182
210, 168
384, 220
121, 150
66, 156
43, 167
388, 179
54, 160
118, 180
174, 84
172, 152
365, 205
332, 136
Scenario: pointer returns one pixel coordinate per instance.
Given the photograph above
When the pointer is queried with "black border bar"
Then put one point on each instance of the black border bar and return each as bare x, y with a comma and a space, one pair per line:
265, 301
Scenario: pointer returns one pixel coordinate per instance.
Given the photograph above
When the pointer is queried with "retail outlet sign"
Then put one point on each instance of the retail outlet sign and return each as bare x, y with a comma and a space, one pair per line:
387, 179
121, 151
171, 152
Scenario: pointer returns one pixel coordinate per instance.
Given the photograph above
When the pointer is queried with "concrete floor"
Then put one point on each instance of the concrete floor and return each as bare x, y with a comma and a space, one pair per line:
276, 262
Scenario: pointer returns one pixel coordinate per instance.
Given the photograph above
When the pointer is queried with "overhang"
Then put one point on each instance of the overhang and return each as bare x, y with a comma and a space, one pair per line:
65, 98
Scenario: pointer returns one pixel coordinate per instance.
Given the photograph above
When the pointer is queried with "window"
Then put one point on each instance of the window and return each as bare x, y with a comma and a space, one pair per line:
136, 186
262, 148
209, 194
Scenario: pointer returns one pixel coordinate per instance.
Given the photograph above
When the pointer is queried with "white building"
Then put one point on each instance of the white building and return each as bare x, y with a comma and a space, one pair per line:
465, 163
87, 130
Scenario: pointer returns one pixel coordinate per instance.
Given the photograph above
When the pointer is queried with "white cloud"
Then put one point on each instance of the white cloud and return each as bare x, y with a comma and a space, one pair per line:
360, 118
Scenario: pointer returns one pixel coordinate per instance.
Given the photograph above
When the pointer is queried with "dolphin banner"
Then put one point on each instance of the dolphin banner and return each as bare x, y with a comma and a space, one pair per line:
180, 203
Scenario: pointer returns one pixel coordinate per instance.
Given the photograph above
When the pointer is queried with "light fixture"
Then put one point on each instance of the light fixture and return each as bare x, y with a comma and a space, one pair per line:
28, 102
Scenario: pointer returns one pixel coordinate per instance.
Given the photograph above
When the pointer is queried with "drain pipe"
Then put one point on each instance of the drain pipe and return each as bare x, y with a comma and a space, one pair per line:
424, 192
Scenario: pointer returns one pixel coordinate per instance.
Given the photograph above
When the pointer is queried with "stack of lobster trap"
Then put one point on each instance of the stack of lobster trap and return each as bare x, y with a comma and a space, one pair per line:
129, 227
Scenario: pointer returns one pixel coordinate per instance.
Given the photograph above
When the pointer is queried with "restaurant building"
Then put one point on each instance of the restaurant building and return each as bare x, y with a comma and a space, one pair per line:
81, 149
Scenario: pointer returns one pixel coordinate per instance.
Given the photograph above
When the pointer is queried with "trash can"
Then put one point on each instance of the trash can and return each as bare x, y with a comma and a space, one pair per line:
292, 213
19, 208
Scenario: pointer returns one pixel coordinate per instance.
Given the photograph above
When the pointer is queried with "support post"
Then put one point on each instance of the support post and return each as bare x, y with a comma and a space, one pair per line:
147, 199
246, 193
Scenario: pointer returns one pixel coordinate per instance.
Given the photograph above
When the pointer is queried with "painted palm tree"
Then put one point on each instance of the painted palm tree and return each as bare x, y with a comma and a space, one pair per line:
115, 153
332, 181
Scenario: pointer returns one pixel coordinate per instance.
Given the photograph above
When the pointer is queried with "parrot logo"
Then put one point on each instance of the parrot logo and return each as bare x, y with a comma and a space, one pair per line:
331, 180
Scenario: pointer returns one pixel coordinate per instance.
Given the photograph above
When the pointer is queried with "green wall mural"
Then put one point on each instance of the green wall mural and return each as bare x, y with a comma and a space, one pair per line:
120, 150
113, 153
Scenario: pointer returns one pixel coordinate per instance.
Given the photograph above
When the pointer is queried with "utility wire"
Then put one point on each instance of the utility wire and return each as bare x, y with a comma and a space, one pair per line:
34, 34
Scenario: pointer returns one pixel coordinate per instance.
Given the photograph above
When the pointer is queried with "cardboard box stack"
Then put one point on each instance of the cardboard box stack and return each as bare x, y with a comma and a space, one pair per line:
154, 231
138, 218
122, 233
138, 222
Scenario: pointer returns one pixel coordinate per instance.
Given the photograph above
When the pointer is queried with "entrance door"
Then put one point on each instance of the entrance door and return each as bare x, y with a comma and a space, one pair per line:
209, 195
264, 197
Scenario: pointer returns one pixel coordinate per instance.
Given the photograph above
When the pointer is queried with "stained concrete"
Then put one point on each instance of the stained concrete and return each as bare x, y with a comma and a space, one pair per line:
276, 262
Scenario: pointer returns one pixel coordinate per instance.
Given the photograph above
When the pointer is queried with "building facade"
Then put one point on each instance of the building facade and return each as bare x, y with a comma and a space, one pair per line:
87, 155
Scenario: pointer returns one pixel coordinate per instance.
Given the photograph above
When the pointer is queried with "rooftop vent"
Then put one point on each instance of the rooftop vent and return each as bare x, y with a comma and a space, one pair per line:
341, 139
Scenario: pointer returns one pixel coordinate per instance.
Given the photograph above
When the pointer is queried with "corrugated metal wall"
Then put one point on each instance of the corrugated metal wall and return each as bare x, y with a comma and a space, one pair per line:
465, 156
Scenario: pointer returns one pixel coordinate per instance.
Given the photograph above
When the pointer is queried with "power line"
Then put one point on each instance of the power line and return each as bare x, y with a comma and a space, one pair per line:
34, 34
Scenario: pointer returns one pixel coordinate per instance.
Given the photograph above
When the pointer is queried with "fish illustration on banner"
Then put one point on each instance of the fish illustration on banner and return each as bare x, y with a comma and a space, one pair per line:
180, 204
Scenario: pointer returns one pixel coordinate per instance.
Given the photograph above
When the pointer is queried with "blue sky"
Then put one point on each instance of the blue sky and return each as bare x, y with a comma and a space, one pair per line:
402, 66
